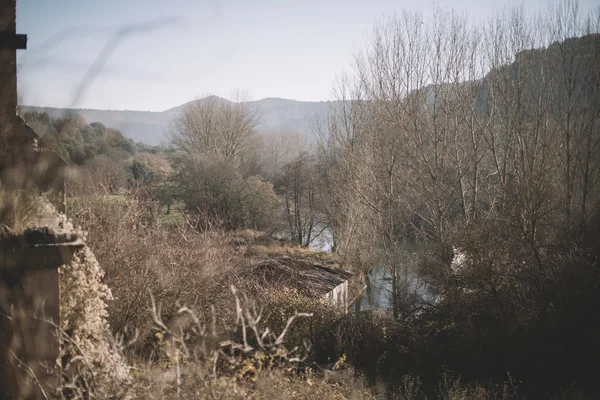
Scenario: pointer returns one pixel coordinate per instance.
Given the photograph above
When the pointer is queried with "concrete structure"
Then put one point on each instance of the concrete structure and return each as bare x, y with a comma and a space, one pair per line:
339, 295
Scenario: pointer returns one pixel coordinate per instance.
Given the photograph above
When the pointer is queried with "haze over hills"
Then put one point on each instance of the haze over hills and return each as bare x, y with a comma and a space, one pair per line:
152, 127
278, 114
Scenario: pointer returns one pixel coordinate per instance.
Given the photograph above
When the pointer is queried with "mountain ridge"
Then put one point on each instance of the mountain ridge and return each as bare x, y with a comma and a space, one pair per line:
277, 114
151, 127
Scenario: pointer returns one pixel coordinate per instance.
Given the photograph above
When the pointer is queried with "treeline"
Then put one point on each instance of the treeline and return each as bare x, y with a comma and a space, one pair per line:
106, 158
449, 126
216, 168
75, 140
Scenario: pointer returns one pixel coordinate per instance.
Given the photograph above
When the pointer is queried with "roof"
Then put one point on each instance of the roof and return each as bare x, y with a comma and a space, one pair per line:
310, 279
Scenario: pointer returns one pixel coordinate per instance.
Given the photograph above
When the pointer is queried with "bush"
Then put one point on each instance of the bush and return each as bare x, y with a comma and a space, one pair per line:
527, 308
215, 191
140, 256
244, 359
317, 332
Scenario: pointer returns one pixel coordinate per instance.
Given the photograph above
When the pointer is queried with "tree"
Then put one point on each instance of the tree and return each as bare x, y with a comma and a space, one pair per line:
274, 150
214, 126
217, 194
298, 185
212, 139
446, 126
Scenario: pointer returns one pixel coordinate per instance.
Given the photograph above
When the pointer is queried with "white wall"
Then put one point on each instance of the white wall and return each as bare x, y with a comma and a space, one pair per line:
339, 296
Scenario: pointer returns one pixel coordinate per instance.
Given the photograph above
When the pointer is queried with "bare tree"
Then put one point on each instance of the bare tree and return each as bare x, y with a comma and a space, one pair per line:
214, 126
216, 165
575, 87
297, 185
445, 122
274, 150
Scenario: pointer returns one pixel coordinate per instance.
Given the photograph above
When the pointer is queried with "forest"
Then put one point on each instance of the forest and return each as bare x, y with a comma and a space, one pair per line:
459, 159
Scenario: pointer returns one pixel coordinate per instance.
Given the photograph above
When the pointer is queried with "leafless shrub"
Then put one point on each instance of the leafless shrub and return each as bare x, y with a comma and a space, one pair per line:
219, 358
453, 389
140, 254
410, 389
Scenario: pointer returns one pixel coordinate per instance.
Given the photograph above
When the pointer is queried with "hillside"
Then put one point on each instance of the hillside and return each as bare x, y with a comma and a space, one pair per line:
152, 127
284, 114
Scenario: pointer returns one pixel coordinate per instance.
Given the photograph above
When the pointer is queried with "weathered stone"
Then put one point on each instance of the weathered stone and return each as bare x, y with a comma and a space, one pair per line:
29, 310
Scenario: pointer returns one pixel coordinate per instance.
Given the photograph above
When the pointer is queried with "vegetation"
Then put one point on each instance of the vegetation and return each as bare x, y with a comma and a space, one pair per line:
477, 144
466, 140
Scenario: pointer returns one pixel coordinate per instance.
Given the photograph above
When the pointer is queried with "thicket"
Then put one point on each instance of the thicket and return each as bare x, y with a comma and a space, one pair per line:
477, 335
480, 143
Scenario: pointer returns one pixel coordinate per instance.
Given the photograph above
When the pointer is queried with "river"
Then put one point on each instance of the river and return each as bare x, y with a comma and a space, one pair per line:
378, 286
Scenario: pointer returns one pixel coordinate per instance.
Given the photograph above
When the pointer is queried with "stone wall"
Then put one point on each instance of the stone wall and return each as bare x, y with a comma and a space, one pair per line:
29, 280
8, 61
24, 162
29, 310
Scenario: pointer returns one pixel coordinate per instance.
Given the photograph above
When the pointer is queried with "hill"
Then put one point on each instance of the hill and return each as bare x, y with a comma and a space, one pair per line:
284, 114
152, 127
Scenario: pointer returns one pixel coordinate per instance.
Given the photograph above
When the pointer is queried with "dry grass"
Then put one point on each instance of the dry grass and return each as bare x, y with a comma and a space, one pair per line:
257, 247
177, 264
141, 256
272, 384
244, 359
181, 266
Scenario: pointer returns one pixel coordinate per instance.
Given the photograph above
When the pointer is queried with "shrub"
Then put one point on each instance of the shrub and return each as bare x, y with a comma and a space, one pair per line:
243, 359
318, 331
215, 191
140, 255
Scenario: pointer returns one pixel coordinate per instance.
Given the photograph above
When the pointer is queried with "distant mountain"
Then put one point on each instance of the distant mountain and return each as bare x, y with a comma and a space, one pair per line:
152, 127
284, 114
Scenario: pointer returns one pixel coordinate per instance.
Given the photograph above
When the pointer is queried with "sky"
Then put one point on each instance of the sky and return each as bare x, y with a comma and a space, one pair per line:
153, 55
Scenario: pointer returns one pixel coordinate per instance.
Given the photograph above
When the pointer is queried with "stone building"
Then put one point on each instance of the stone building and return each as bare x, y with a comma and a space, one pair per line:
24, 161
29, 261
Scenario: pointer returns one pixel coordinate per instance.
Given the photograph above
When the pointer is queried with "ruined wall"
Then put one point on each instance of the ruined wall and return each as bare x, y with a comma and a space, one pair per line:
17, 147
12, 139
24, 163
8, 60
29, 287
30, 309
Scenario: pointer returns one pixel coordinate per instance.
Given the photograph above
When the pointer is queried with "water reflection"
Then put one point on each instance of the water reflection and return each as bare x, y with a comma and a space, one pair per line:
321, 237
378, 287
377, 293
378, 281
323, 240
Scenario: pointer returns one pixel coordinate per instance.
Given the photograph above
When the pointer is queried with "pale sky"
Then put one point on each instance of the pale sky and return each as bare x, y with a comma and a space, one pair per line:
179, 50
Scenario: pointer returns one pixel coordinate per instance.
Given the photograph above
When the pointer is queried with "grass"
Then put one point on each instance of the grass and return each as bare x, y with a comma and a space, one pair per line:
108, 198
175, 215
256, 247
